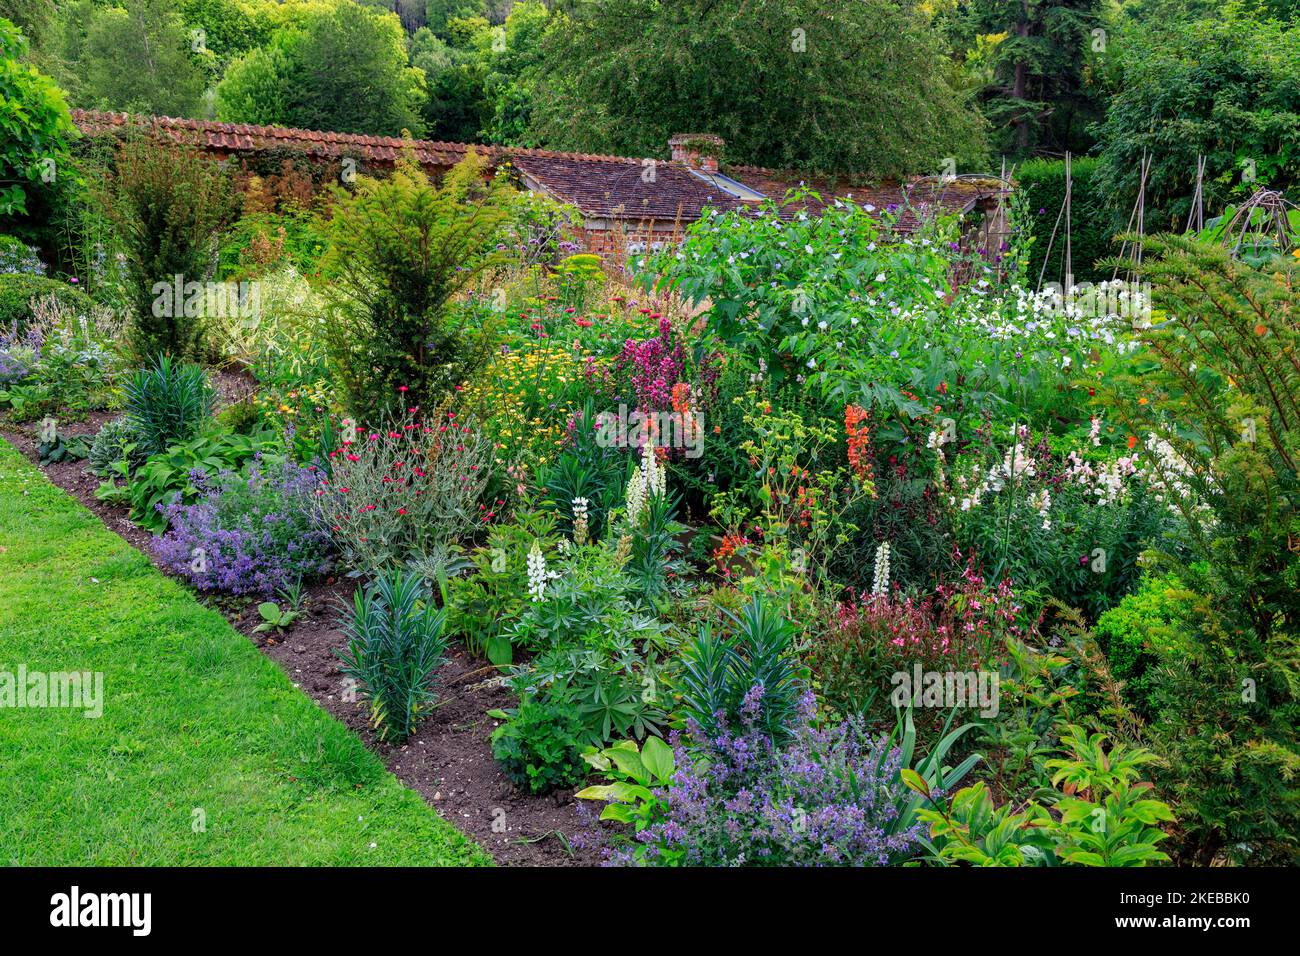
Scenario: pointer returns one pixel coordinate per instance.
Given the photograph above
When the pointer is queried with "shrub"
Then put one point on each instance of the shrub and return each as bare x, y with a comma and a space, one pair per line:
399, 249
18, 291
960, 625
1100, 815
252, 534
586, 470
771, 304
68, 357
287, 356
1139, 631
169, 204
524, 399
538, 747
168, 403
1219, 416
19, 353
35, 125
403, 492
1070, 528
395, 646
908, 511
16, 362
596, 650
485, 604
116, 442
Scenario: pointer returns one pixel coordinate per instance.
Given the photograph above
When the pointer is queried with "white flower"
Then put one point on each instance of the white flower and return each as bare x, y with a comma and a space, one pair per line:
580, 520
650, 479
880, 580
537, 576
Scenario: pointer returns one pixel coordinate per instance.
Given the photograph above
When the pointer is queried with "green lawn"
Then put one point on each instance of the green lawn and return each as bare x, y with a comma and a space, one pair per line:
194, 718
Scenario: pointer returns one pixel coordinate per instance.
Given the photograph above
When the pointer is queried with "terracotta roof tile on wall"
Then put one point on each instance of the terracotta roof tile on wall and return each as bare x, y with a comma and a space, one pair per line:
240, 137
604, 187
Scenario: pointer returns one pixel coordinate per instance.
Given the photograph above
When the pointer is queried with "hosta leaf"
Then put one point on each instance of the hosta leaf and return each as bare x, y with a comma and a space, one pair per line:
630, 763
657, 757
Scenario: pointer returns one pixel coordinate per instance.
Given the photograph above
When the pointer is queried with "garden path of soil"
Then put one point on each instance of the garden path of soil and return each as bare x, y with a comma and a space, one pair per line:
448, 760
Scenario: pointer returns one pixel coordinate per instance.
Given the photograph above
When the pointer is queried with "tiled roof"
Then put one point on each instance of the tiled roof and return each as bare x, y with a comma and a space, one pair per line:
624, 189
912, 201
610, 187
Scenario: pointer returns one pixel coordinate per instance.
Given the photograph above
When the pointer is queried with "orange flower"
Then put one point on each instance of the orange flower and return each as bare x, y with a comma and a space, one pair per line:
857, 430
681, 398
1132, 440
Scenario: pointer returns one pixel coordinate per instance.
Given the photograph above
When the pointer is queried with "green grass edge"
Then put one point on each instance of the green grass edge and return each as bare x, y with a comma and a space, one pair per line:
206, 754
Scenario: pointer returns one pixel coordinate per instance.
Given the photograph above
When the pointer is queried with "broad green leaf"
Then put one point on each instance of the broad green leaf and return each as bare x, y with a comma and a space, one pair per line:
658, 759
630, 763
914, 782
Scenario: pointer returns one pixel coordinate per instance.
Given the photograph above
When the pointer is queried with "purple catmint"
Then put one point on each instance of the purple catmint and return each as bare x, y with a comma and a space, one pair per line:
247, 534
831, 796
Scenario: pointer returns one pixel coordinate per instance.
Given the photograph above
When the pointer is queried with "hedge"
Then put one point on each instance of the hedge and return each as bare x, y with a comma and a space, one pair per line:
17, 290
1043, 184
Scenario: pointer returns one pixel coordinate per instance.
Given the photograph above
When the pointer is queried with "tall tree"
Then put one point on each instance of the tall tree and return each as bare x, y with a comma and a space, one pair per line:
440, 13
458, 70
344, 69
1040, 99
1226, 87
509, 86
37, 20
137, 57
854, 87
34, 124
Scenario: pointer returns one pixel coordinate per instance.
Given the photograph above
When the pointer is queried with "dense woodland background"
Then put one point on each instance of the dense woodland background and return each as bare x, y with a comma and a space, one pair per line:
880, 87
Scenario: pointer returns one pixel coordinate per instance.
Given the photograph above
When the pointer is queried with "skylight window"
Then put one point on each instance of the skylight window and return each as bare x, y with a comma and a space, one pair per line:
729, 186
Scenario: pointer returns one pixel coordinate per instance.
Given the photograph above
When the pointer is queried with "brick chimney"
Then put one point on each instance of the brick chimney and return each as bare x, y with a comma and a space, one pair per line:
701, 150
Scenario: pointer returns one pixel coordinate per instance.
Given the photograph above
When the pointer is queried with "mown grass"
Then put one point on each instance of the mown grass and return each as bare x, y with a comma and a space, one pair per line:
194, 719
